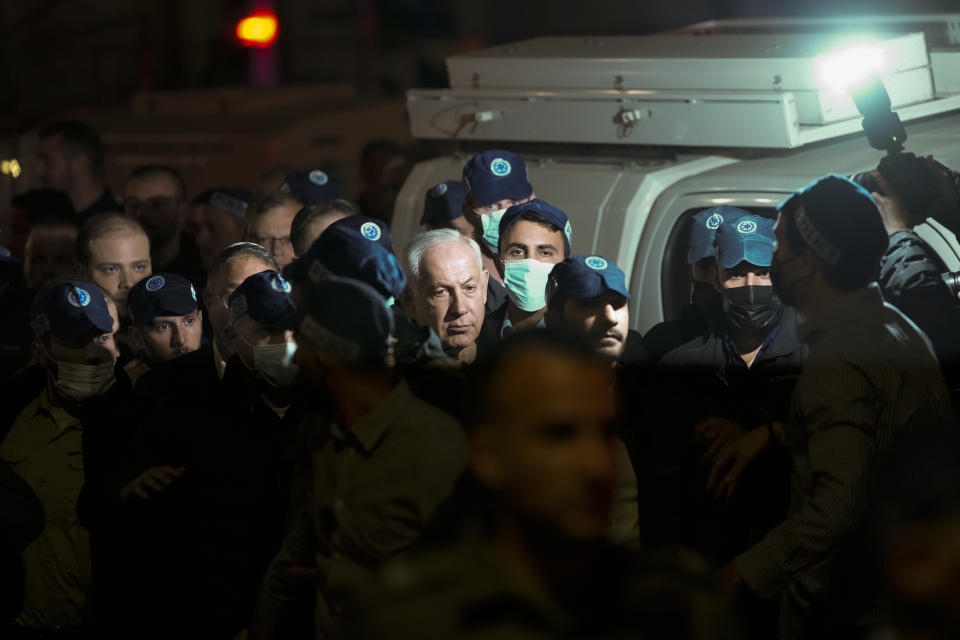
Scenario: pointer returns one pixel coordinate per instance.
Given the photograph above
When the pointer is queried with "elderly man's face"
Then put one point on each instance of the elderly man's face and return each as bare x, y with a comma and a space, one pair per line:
451, 292
272, 231
221, 284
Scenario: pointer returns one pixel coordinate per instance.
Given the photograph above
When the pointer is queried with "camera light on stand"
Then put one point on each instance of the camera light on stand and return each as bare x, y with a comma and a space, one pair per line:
846, 68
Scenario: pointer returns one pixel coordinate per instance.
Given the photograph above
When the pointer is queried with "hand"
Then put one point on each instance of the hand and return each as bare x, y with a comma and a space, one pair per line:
718, 432
893, 210
150, 482
733, 459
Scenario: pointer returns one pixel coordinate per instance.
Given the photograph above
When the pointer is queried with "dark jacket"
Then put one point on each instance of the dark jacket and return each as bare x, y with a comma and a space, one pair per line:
910, 279
702, 379
667, 336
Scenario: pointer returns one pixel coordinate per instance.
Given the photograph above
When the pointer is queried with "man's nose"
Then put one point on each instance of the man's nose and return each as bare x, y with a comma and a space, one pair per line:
176, 340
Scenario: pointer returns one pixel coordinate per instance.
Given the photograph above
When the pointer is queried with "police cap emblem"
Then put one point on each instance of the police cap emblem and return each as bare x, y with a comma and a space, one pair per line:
318, 177
155, 283
279, 284
78, 297
714, 221
370, 231
439, 190
747, 226
500, 167
596, 262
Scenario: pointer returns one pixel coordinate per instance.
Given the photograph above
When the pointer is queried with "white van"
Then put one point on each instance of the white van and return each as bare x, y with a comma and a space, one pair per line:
612, 135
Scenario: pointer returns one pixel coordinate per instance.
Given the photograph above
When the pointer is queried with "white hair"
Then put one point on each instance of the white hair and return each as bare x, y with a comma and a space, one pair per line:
421, 242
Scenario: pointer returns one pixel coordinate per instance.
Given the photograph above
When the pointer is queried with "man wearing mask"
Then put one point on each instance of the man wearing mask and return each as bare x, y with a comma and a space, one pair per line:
448, 289
386, 462
742, 373
73, 324
704, 310
869, 384
587, 295
493, 181
533, 237
156, 196
207, 508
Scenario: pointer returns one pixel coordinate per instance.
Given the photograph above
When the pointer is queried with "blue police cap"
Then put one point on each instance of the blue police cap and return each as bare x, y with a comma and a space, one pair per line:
73, 312
543, 209
310, 187
839, 221
443, 203
346, 318
343, 252
162, 294
233, 199
496, 175
748, 238
265, 297
704, 229
372, 229
586, 277
8, 257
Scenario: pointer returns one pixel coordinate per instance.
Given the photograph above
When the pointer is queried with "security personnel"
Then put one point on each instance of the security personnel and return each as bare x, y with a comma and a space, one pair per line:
588, 296
533, 563
207, 501
311, 187
704, 311
443, 208
49, 407
493, 181
733, 379
385, 464
533, 237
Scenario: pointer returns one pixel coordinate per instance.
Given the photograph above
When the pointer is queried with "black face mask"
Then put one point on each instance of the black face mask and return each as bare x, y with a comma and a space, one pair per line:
751, 311
708, 300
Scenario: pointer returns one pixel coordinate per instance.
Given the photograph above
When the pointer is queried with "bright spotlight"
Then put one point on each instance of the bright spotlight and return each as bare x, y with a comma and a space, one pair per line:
848, 67
258, 29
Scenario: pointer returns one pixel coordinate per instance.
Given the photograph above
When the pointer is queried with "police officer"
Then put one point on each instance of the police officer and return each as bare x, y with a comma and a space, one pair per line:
443, 208
588, 296
311, 187
206, 506
387, 461
534, 562
533, 237
43, 424
704, 310
165, 317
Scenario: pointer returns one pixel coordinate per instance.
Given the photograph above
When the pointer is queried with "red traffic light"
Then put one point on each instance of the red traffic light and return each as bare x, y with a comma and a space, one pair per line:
259, 29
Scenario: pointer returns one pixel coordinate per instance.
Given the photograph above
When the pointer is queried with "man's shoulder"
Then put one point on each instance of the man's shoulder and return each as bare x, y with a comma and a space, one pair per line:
704, 350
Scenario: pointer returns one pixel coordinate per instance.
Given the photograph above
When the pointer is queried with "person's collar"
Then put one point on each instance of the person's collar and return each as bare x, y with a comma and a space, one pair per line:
733, 353
59, 415
369, 431
507, 329
864, 301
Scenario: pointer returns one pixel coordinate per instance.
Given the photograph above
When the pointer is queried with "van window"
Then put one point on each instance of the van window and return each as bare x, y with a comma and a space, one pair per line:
675, 281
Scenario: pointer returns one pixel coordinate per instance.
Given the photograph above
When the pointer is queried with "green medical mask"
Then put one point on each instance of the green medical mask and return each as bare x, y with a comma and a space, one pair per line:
526, 282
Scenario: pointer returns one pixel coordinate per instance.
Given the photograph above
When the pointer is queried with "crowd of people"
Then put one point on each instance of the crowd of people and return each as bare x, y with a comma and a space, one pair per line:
229, 416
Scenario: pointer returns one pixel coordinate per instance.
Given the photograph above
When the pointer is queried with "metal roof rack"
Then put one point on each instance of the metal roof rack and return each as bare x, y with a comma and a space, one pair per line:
719, 84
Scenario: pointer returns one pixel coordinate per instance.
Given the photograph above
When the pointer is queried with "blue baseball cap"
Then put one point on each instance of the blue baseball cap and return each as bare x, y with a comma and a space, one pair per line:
8, 257
309, 187
162, 294
265, 297
372, 229
443, 203
703, 231
748, 238
343, 252
585, 277
346, 318
73, 312
543, 209
495, 175
233, 199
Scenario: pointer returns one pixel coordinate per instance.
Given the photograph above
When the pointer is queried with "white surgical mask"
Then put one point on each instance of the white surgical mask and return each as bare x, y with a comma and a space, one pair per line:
491, 228
526, 282
274, 363
83, 381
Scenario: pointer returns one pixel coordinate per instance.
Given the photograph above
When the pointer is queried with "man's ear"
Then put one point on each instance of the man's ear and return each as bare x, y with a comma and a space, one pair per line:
484, 283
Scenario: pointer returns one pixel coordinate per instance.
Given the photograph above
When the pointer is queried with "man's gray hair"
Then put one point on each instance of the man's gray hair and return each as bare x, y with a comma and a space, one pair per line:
421, 242
242, 250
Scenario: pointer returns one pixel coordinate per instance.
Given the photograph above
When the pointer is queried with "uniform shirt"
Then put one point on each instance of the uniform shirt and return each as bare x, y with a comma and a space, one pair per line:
43, 447
870, 379
376, 484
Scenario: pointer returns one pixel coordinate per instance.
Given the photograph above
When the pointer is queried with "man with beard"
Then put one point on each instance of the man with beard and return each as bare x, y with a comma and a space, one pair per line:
704, 310
70, 159
733, 380
157, 197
